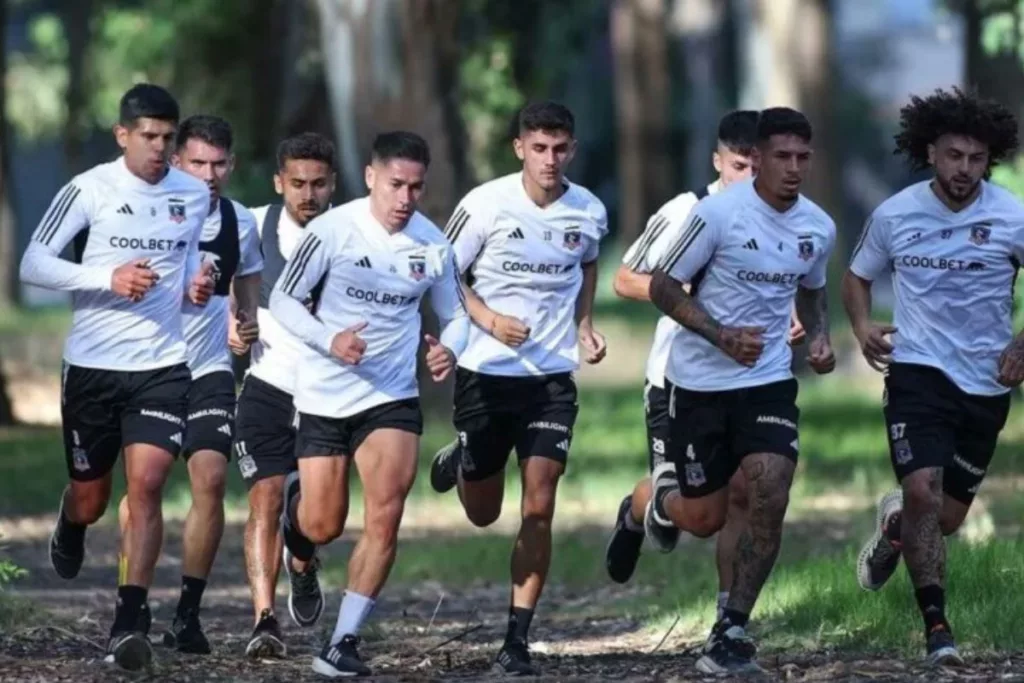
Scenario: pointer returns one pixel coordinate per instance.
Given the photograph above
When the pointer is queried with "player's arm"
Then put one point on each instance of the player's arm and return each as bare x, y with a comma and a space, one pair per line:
41, 265
308, 263
633, 277
692, 250
870, 258
446, 298
1011, 360
811, 304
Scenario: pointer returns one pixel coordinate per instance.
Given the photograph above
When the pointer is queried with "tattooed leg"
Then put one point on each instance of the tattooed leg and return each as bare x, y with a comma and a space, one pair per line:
924, 549
769, 478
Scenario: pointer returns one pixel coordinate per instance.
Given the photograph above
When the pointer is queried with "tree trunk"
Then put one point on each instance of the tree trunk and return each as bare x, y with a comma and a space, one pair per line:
8, 250
642, 89
76, 18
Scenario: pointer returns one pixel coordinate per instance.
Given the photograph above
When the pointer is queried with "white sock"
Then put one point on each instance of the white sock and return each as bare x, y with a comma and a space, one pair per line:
354, 610
723, 600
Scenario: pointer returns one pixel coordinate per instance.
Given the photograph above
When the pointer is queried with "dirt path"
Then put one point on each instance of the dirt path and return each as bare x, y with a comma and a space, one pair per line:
400, 645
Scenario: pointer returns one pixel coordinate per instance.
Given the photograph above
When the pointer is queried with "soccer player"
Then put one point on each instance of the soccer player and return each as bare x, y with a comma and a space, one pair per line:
229, 243
750, 252
366, 264
530, 242
264, 425
136, 225
732, 160
954, 244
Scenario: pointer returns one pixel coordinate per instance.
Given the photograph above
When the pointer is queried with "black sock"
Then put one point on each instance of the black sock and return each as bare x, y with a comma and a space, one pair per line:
72, 531
301, 547
191, 594
735, 618
519, 619
130, 600
932, 602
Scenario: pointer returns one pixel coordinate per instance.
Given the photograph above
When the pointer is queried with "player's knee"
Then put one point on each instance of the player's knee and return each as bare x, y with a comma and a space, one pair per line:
90, 506
321, 529
703, 521
266, 500
483, 515
921, 492
146, 485
739, 498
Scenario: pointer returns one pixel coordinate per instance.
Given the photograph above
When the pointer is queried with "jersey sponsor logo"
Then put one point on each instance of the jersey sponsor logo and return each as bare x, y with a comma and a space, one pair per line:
535, 268
805, 247
148, 244
769, 278
776, 420
573, 238
980, 233
376, 297
417, 267
937, 263
161, 415
176, 209
211, 412
968, 467
552, 426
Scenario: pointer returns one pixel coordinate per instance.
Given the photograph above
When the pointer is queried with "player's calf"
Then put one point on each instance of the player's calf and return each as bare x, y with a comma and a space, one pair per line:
81, 504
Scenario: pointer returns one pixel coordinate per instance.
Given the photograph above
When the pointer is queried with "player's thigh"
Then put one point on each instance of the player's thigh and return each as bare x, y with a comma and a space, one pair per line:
324, 453
657, 423
210, 424
156, 411
547, 419
982, 418
486, 425
699, 443
386, 440
264, 433
920, 417
765, 419
92, 402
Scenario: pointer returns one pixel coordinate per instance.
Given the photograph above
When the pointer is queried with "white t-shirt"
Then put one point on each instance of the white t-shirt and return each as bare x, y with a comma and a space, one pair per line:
953, 275
372, 276
115, 217
642, 257
274, 358
206, 327
745, 260
526, 263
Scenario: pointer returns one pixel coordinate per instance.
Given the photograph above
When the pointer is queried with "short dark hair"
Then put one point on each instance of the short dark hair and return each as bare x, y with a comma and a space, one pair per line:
305, 146
926, 119
737, 131
145, 100
400, 144
782, 121
213, 130
547, 116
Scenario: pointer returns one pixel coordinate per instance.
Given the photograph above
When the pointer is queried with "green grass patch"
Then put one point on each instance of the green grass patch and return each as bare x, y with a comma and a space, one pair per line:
44, 320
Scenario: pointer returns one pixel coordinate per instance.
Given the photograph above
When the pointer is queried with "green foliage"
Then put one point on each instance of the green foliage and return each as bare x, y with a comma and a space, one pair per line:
36, 81
489, 99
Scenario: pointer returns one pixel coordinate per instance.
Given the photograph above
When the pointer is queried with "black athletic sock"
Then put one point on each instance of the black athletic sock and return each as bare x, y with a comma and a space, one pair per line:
735, 617
301, 547
130, 600
932, 602
519, 619
191, 594
72, 531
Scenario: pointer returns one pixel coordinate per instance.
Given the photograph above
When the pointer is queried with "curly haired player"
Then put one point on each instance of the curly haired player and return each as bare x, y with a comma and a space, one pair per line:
954, 244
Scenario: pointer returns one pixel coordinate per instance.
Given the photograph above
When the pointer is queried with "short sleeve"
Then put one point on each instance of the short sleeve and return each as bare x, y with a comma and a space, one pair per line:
601, 229
662, 231
694, 246
871, 254
817, 276
467, 229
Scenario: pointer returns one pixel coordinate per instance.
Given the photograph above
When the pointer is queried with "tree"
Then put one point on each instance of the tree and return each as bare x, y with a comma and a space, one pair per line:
8, 256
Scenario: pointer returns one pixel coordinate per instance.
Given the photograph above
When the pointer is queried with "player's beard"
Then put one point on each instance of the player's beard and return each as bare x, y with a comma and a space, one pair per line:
954, 193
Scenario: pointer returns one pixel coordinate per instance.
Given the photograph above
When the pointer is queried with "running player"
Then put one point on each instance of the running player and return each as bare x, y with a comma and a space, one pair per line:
530, 242
265, 432
750, 253
954, 244
136, 225
366, 265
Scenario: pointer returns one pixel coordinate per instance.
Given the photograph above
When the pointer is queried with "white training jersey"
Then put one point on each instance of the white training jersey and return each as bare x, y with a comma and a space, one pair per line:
274, 358
663, 229
114, 218
206, 327
364, 274
744, 261
526, 263
953, 275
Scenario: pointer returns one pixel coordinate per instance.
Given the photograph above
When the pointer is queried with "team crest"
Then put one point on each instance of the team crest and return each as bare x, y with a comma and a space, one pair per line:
805, 248
980, 232
176, 209
573, 238
417, 267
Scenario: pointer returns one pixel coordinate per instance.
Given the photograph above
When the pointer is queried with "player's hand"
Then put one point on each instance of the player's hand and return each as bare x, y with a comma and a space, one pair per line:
797, 333
134, 279
508, 330
440, 359
1011, 364
201, 288
742, 344
348, 346
594, 345
242, 332
821, 358
875, 347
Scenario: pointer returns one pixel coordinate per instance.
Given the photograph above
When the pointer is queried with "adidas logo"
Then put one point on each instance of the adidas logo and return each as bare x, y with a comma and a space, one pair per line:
176, 438
225, 429
564, 445
127, 210
751, 244
364, 262
517, 234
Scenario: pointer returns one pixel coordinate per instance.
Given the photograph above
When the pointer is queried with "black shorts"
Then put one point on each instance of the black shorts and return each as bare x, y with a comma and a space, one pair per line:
104, 411
494, 414
342, 436
211, 414
712, 431
264, 431
658, 432
931, 422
